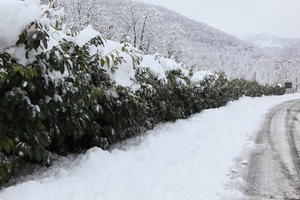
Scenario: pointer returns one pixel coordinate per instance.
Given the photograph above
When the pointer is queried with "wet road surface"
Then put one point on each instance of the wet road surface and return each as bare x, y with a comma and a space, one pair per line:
274, 167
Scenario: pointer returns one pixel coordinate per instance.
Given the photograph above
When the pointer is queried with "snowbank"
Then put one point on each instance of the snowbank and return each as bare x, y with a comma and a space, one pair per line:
188, 159
14, 17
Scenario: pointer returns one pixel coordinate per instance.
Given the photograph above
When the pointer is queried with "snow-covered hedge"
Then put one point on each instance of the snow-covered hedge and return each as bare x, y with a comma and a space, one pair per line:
63, 93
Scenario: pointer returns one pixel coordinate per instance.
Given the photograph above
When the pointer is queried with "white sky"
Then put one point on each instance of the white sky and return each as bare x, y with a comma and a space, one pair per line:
278, 17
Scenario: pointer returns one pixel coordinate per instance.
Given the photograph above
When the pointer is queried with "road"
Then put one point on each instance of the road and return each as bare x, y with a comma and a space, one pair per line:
274, 167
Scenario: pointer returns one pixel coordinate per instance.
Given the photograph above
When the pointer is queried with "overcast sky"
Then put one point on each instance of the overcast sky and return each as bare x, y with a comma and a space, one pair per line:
279, 17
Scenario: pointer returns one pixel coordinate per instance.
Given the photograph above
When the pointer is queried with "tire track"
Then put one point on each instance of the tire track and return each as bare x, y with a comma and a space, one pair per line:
274, 168
291, 123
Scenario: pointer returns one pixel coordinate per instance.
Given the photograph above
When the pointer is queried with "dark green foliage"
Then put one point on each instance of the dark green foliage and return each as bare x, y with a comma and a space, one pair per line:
65, 102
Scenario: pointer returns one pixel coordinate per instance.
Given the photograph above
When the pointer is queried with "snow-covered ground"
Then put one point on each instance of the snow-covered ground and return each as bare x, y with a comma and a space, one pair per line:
186, 160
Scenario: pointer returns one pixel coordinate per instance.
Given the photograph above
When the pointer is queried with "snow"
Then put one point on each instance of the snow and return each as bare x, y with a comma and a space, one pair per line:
111, 46
200, 75
189, 159
124, 73
14, 17
86, 35
153, 64
160, 65
169, 64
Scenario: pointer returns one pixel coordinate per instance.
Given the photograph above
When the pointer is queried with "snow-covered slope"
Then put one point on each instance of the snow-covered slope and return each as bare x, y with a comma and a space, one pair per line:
187, 159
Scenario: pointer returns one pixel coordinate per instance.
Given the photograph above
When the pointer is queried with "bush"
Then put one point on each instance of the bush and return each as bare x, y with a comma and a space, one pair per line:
65, 102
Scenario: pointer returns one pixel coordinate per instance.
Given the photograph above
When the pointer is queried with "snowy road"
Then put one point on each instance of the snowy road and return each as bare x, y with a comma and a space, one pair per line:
274, 170
190, 159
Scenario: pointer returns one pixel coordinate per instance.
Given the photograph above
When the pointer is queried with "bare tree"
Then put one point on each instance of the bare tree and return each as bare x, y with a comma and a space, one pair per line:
174, 42
81, 13
140, 23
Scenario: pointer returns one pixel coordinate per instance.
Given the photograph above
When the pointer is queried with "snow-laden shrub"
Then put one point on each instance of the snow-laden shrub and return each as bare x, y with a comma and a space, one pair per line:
59, 96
